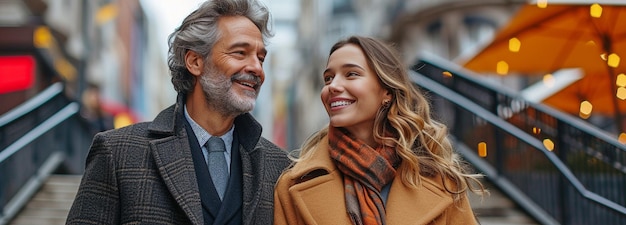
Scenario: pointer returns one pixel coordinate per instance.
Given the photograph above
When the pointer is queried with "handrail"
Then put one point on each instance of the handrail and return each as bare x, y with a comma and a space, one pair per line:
68, 111
13, 207
500, 181
469, 105
457, 70
16, 200
31, 104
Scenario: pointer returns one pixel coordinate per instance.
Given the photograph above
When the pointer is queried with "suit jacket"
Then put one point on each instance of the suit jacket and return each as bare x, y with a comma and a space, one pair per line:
144, 174
312, 192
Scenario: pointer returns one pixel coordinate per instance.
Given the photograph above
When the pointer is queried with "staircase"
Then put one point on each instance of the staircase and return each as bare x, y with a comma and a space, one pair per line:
497, 209
52, 202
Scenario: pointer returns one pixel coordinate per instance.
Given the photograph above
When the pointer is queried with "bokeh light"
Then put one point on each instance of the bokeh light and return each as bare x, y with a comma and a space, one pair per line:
122, 120
621, 80
613, 60
548, 80
549, 144
482, 149
542, 3
622, 138
514, 45
621, 93
595, 10
585, 109
502, 68
536, 130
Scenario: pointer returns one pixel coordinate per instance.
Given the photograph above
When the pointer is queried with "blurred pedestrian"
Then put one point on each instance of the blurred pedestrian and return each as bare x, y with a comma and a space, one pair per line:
202, 160
91, 99
382, 159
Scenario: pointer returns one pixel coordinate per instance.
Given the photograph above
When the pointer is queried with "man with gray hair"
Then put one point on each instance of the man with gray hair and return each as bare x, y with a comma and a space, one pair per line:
202, 160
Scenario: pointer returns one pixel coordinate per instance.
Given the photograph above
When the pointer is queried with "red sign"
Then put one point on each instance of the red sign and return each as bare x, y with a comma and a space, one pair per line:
16, 73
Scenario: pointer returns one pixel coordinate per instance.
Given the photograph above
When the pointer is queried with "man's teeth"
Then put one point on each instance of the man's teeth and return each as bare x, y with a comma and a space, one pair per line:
247, 84
340, 103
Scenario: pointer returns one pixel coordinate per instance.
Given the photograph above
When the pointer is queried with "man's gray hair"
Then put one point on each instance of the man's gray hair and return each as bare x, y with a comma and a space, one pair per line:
199, 32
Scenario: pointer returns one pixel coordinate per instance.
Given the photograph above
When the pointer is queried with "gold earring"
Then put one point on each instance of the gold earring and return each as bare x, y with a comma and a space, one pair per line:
386, 103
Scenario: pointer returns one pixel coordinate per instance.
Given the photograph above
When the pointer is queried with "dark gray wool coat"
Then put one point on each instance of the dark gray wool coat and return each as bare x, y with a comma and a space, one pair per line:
144, 174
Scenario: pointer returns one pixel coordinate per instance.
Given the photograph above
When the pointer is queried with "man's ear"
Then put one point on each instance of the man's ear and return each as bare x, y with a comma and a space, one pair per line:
194, 63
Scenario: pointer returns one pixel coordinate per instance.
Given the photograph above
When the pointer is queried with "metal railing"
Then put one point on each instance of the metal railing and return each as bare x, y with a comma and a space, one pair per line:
41, 136
580, 181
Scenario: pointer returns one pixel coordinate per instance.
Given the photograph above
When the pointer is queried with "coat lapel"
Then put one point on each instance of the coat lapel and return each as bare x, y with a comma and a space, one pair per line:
322, 201
208, 195
176, 167
248, 132
172, 156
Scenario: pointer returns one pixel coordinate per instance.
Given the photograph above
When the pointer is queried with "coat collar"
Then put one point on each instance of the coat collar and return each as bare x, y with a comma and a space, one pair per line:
404, 205
169, 122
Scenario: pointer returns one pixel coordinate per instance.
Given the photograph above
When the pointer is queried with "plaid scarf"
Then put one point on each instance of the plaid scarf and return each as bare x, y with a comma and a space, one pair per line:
366, 170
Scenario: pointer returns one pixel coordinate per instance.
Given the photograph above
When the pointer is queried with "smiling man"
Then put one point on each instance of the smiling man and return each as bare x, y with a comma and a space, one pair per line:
202, 160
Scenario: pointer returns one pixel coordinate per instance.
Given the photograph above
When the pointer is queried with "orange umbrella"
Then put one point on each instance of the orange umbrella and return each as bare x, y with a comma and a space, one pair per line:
589, 89
546, 38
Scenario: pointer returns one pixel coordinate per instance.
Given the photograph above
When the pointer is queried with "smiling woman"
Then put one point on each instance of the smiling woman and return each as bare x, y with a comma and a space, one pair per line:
382, 159
352, 93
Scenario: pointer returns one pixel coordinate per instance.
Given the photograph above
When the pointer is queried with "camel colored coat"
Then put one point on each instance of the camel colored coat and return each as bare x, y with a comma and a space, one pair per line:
312, 192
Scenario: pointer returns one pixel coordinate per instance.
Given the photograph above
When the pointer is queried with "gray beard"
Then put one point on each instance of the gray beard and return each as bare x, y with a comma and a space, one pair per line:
219, 95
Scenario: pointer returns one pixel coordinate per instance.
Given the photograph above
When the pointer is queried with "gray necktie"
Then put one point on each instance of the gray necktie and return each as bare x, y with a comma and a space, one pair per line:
217, 165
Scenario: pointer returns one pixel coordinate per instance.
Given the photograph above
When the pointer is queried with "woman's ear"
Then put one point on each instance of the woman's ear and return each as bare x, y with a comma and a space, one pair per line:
388, 95
386, 99
194, 63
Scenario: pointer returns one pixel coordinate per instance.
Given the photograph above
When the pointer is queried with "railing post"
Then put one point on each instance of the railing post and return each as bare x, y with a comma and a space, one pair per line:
499, 138
562, 183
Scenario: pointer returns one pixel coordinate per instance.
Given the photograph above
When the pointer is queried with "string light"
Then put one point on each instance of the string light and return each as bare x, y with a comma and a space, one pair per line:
514, 45
502, 68
595, 10
482, 149
585, 109
613, 60
548, 80
542, 3
548, 144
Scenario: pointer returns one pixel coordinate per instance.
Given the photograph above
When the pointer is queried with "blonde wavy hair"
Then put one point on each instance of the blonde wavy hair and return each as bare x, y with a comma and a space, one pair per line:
421, 142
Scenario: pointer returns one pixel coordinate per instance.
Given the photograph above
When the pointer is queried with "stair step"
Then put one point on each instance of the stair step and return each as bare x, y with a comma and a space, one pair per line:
51, 203
497, 209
